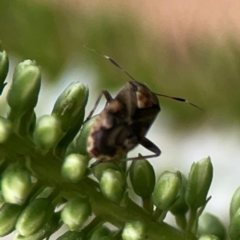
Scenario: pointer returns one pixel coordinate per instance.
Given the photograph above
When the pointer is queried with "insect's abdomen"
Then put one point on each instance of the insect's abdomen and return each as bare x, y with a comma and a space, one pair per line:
110, 136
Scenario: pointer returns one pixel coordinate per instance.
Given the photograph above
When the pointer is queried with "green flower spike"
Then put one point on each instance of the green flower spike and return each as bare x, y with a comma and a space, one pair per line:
199, 181
134, 230
76, 213
16, 183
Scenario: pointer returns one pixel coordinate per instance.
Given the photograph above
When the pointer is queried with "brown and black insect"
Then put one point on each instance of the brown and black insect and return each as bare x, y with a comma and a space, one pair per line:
125, 120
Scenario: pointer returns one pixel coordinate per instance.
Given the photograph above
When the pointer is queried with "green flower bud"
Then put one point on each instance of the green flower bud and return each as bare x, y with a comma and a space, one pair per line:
8, 216
209, 224
100, 168
72, 235
23, 94
34, 216
81, 140
16, 183
166, 190
4, 64
199, 181
74, 167
142, 177
234, 228
208, 237
180, 206
70, 108
235, 203
100, 232
76, 212
5, 129
47, 230
112, 185
135, 230
47, 132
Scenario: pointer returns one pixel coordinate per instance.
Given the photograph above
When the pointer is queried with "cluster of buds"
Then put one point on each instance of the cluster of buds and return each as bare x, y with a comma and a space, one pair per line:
46, 180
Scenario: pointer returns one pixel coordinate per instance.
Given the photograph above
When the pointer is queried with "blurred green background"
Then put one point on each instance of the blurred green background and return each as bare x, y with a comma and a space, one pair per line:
202, 70
53, 33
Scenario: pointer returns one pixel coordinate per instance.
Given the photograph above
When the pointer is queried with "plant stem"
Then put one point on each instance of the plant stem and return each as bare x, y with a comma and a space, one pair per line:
191, 222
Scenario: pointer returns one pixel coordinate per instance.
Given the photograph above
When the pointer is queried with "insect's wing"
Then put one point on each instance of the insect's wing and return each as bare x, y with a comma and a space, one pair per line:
127, 96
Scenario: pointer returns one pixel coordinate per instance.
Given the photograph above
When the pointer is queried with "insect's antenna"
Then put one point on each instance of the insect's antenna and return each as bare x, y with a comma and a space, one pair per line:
111, 61
179, 99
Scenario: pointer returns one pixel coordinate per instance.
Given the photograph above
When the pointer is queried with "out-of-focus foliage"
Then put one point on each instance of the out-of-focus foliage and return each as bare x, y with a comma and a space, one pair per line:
207, 75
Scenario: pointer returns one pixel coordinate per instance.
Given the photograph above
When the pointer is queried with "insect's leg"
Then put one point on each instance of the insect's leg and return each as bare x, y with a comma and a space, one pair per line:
150, 146
106, 160
145, 143
108, 98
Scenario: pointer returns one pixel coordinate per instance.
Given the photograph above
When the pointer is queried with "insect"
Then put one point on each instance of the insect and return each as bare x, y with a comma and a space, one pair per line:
125, 120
